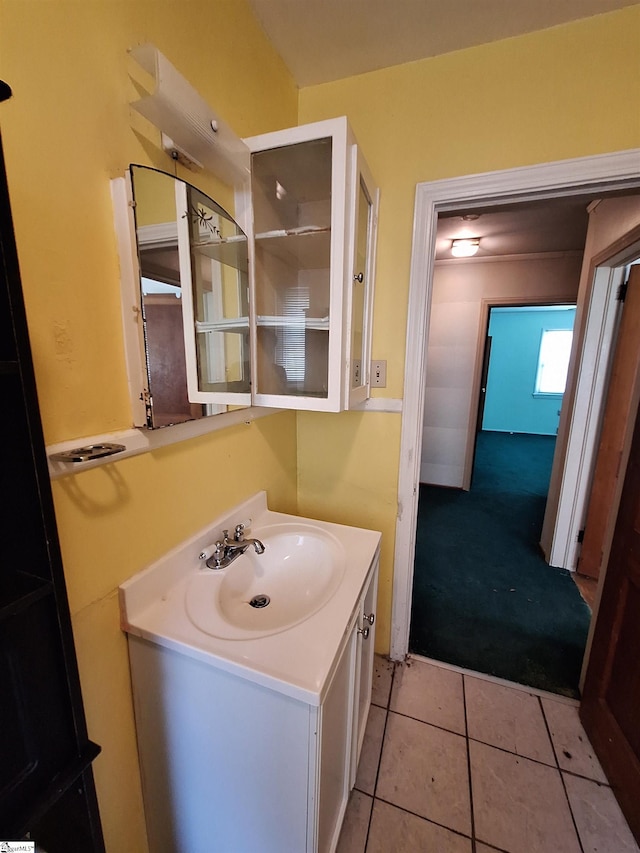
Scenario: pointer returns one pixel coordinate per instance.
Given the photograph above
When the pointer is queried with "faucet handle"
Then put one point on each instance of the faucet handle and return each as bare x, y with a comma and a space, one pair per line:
241, 528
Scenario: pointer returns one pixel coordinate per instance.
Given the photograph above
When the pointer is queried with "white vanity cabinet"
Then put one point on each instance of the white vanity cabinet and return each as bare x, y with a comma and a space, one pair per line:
314, 222
232, 765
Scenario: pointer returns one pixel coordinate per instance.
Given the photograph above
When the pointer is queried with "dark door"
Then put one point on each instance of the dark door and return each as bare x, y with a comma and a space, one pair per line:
486, 357
610, 707
483, 382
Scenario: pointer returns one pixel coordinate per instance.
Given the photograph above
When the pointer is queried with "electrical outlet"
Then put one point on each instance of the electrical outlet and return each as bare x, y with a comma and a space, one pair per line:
378, 374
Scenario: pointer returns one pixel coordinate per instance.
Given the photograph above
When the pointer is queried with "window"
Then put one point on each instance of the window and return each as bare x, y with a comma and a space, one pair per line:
553, 361
292, 340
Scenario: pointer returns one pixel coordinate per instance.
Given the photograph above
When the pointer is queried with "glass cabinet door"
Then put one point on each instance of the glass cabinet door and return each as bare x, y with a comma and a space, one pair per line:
190, 288
214, 269
360, 305
299, 207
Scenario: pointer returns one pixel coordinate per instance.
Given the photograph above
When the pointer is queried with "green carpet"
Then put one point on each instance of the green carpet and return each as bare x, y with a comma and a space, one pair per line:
483, 597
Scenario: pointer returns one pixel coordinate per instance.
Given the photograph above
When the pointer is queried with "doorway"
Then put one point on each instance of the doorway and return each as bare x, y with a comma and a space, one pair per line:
588, 176
524, 369
483, 597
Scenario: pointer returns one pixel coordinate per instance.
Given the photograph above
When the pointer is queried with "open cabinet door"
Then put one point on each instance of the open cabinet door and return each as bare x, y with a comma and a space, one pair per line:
214, 272
601, 512
610, 708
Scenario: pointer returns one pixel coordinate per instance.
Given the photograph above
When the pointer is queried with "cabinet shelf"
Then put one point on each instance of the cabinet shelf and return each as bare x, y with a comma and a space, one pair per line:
279, 322
231, 324
68, 776
303, 248
230, 251
8, 367
19, 590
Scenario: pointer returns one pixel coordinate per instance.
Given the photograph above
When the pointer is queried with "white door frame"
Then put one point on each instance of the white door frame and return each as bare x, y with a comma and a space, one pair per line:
589, 175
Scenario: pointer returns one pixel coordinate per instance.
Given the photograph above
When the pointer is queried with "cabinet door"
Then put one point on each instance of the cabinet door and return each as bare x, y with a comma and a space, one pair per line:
336, 730
365, 198
364, 663
185, 291
213, 253
300, 205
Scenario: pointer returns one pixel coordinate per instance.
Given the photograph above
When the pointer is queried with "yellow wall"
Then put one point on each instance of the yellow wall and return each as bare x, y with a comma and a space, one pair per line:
567, 92
66, 132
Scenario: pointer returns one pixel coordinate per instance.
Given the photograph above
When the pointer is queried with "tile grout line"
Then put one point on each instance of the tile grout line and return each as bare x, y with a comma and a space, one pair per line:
564, 787
554, 765
466, 737
428, 820
384, 732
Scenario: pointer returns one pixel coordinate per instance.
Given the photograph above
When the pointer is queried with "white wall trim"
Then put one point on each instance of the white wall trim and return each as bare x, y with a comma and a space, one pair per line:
392, 405
594, 364
588, 175
591, 378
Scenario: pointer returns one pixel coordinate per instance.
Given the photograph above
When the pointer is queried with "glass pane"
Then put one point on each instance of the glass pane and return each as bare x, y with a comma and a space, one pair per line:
292, 215
219, 272
359, 286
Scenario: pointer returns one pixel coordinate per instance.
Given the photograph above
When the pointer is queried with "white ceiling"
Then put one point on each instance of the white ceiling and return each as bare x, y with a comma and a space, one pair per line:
323, 40
552, 225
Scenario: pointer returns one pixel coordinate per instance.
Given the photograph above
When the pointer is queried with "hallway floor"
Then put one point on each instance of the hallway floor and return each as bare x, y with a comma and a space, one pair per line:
483, 596
458, 764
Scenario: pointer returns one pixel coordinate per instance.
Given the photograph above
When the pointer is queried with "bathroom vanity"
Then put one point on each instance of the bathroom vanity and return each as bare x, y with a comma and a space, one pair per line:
250, 719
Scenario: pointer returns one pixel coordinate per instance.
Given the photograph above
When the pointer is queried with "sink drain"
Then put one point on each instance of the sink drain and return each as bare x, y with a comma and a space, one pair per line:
260, 601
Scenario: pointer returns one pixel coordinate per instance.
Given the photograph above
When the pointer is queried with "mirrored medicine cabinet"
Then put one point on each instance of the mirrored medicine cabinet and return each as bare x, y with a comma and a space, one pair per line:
194, 299
275, 314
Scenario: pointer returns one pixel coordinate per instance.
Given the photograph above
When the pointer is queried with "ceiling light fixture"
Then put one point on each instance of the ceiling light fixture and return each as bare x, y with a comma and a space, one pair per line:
465, 248
191, 132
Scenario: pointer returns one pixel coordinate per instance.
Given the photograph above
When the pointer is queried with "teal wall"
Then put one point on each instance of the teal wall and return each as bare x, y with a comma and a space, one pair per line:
510, 405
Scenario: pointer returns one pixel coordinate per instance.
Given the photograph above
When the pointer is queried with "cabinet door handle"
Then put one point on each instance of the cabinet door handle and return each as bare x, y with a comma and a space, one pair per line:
364, 632
371, 618
359, 277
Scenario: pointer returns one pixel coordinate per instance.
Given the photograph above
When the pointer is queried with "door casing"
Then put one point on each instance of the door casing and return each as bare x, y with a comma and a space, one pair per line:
587, 175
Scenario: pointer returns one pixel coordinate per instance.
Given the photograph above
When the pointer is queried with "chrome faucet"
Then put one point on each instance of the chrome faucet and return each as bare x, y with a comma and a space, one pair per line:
227, 550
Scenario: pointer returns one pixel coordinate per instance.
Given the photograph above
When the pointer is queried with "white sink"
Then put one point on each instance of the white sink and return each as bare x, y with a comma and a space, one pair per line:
313, 572
260, 594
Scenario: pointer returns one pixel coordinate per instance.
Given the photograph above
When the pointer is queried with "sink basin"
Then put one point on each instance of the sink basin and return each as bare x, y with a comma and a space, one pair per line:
261, 594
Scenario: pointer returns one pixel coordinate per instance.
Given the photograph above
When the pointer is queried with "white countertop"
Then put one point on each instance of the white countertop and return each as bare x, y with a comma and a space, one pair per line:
296, 661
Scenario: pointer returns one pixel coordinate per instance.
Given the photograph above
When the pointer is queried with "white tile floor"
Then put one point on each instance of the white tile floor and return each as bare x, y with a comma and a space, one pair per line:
458, 764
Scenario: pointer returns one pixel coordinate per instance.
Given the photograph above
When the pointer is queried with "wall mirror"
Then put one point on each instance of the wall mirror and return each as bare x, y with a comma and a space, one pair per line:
194, 300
